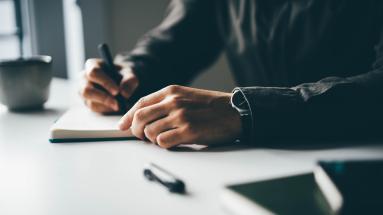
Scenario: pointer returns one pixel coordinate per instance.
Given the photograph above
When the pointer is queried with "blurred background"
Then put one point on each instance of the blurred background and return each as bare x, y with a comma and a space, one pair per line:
70, 30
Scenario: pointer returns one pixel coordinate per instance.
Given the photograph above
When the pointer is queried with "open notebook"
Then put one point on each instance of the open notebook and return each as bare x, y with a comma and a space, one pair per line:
79, 124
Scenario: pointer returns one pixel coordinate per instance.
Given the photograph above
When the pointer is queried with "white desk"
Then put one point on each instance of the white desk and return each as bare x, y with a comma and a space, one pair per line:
37, 177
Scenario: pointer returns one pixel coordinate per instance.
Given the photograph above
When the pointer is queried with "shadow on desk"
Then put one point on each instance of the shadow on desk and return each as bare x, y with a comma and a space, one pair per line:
39, 111
291, 144
46, 113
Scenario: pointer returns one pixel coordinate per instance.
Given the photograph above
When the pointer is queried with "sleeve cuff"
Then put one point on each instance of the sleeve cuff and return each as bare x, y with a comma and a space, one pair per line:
241, 104
272, 109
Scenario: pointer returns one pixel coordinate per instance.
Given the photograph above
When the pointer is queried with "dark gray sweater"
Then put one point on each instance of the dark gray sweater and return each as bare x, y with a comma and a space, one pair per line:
308, 68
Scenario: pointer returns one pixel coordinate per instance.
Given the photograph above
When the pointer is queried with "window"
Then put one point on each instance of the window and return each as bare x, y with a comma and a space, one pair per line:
9, 29
33, 27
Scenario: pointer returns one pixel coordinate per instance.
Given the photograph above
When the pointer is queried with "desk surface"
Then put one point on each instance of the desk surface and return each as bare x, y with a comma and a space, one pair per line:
37, 177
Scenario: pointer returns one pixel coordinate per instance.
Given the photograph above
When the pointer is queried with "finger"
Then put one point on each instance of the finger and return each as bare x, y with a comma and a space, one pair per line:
98, 107
93, 62
157, 127
91, 93
145, 116
149, 100
98, 76
128, 84
97, 63
127, 120
170, 138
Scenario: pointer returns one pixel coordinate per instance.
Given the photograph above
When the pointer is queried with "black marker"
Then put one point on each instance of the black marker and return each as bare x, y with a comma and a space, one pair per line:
111, 71
172, 183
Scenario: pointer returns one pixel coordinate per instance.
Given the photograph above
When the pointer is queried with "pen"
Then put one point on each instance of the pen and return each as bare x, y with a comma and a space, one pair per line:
111, 71
155, 173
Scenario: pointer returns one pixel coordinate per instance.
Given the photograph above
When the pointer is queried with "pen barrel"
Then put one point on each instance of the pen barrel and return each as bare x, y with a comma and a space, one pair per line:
173, 184
110, 69
112, 72
108, 65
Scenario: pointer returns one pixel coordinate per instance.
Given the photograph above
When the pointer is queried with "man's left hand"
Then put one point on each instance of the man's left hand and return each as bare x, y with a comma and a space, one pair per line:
182, 115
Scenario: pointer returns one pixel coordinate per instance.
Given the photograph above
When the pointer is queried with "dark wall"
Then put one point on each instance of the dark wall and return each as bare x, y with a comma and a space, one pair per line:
122, 22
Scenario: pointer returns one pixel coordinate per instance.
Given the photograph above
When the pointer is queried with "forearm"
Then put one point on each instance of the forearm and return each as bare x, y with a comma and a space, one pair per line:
330, 108
185, 43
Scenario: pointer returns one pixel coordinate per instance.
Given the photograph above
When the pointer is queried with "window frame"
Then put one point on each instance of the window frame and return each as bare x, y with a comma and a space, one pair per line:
17, 32
34, 21
47, 34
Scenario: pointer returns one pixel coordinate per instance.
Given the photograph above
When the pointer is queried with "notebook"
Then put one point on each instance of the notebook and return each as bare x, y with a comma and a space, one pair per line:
351, 186
79, 124
297, 194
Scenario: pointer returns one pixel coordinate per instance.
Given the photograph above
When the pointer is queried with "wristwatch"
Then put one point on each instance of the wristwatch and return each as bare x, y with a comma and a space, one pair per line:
240, 103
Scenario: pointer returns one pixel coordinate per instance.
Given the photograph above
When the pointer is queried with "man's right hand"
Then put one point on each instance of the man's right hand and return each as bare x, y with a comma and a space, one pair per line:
103, 101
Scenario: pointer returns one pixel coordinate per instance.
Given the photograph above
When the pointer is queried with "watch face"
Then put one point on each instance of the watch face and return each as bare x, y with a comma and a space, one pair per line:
239, 101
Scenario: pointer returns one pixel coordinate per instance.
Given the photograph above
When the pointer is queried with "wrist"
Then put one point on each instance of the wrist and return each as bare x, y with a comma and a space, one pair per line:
241, 105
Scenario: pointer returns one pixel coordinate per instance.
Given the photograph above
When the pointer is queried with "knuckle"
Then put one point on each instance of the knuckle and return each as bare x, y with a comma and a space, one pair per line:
92, 62
105, 99
160, 139
182, 115
128, 76
188, 127
172, 100
92, 73
139, 115
176, 101
149, 133
172, 88
188, 130
136, 129
141, 101
93, 106
162, 142
86, 91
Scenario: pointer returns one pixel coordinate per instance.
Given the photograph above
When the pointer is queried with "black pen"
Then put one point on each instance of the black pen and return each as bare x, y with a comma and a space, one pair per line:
155, 173
111, 71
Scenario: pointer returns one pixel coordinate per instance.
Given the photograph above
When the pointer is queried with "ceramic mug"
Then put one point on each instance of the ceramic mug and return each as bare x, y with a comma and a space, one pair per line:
24, 82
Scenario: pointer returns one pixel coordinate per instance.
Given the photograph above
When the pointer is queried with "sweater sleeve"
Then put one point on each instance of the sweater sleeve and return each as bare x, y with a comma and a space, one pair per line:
334, 107
186, 42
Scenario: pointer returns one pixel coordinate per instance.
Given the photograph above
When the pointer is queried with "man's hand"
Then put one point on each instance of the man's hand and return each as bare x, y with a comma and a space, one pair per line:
182, 115
103, 101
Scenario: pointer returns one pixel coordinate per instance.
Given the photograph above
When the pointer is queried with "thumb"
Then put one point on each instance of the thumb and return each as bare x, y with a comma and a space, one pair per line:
129, 83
